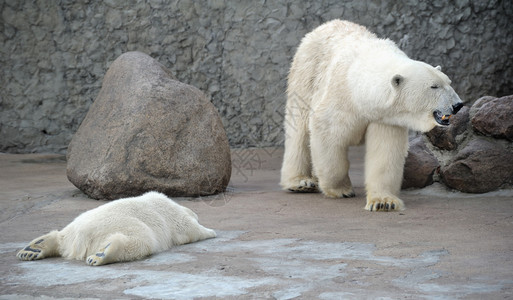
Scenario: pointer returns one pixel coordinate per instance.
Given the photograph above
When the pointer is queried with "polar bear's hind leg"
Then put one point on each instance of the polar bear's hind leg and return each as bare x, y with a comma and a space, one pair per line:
31, 252
296, 172
42, 247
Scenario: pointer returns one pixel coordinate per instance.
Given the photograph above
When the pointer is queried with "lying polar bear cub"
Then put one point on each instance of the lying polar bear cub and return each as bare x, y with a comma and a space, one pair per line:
122, 230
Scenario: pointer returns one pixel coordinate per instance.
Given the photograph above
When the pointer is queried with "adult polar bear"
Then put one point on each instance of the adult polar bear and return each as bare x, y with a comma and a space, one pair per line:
122, 230
345, 87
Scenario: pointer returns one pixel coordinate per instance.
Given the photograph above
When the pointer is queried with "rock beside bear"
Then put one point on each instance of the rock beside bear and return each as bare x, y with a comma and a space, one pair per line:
420, 165
481, 166
147, 131
122, 230
494, 117
475, 152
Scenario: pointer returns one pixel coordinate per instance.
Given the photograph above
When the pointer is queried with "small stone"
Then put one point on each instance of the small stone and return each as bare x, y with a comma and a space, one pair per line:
420, 165
494, 117
480, 167
146, 131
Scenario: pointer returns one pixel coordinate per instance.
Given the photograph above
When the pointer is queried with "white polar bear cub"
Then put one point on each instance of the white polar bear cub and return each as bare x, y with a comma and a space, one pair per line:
346, 87
122, 230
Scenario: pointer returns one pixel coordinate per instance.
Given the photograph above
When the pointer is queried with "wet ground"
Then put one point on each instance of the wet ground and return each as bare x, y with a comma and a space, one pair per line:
271, 244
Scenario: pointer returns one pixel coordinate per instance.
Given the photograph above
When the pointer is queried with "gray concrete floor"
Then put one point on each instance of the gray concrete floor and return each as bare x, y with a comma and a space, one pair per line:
271, 244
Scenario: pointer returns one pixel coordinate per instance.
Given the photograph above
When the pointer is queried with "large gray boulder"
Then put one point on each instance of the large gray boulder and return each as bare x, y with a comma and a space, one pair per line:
147, 131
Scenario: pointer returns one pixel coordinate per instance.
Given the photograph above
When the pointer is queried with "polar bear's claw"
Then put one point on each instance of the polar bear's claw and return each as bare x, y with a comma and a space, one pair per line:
384, 204
305, 186
350, 195
344, 192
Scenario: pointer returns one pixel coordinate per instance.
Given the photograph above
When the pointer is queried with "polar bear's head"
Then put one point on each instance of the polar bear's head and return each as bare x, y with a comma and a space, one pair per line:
423, 97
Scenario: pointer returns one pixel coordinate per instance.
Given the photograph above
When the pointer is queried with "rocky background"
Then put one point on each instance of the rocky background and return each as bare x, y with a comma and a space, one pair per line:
54, 54
474, 154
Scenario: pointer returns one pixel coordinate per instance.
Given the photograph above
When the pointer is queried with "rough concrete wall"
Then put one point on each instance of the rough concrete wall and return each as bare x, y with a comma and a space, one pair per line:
53, 54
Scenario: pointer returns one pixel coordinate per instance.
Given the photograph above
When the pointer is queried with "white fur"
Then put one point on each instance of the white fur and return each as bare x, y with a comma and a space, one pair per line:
347, 87
122, 230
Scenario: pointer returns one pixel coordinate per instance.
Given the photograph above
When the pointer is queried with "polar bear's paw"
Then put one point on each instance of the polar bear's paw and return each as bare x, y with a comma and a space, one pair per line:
339, 193
99, 258
305, 185
387, 203
31, 252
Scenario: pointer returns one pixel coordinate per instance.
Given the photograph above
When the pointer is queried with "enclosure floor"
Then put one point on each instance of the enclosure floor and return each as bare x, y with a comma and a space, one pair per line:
271, 243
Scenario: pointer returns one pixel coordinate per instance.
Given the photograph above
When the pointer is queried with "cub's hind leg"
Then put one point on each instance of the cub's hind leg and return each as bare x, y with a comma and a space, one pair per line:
42, 247
118, 247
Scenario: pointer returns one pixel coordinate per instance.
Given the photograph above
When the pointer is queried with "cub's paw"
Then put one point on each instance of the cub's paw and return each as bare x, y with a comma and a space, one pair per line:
306, 185
98, 259
387, 203
31, 252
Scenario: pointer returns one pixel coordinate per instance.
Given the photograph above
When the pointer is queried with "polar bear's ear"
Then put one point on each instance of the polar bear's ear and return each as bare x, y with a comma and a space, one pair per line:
397, 80
438, 68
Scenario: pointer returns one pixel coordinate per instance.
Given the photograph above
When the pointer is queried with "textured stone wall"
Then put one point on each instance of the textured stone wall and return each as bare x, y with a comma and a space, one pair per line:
54, 54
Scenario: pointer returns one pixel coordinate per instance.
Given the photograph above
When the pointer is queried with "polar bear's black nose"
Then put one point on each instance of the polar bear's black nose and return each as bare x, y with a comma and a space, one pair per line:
456, 107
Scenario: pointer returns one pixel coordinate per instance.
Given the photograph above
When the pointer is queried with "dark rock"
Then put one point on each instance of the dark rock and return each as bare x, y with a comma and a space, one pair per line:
480, 167
494, 117
445, 137
147, 131
478, 103
471, 162
420, 165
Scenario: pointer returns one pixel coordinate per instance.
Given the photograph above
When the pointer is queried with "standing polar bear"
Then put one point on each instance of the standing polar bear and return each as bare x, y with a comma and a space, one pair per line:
122, 230
346, 87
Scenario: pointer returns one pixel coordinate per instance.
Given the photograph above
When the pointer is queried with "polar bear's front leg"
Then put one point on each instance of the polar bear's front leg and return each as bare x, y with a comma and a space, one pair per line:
42, 247
386, 150
102, 257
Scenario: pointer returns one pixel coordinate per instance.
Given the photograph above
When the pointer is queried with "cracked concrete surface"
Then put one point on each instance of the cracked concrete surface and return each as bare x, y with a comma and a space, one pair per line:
271, 244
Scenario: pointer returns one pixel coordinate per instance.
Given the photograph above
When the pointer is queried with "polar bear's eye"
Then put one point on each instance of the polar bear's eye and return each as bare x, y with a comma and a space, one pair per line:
434, 86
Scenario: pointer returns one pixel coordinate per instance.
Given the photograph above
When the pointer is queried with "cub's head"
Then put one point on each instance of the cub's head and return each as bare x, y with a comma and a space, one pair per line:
423, 96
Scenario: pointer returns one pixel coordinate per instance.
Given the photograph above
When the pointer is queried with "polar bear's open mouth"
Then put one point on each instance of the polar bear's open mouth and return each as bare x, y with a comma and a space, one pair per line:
440, 118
